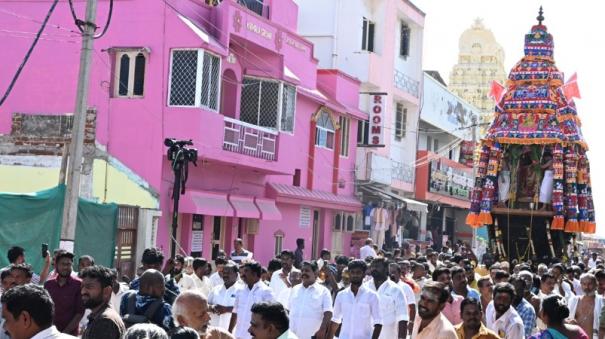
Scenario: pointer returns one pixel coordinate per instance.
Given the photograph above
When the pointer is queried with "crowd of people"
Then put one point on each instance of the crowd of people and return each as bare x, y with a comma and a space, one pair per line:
381, 294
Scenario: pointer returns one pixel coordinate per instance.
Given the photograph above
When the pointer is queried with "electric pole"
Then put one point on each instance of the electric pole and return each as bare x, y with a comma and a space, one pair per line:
70, 211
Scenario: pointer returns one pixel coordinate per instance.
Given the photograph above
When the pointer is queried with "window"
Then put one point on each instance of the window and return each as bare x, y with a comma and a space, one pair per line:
345, 126
429, 143
401, 118
194, 79
367, 39
404, 48
436, 145
129, 75
344, 222
324, 131
363, 132
268, 103
279, 241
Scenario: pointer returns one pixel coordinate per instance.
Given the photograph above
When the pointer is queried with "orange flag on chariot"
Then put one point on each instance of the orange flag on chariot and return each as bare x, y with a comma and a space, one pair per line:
497, 91
571, 88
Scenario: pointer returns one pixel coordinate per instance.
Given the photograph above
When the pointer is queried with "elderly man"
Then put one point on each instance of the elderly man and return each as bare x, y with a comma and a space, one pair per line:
190, 309
501, 315
310, 305
471, 326
393, 304
584, 309
430, 322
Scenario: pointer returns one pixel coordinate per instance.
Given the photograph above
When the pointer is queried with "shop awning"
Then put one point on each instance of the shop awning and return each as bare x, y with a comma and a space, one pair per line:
300, 195
413, 205
268, 209
206, 203
244, 207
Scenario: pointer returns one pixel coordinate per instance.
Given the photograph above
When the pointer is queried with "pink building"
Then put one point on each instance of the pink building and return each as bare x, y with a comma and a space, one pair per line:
276, 136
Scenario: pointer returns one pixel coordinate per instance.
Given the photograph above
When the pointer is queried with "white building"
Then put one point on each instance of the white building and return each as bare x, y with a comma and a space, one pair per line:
380, 43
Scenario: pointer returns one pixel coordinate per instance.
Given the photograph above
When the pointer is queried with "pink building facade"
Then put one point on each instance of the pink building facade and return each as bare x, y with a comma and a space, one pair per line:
276, 136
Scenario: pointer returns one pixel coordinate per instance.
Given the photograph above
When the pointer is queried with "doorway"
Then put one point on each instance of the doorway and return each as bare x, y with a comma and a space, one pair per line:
218, 235
315, 239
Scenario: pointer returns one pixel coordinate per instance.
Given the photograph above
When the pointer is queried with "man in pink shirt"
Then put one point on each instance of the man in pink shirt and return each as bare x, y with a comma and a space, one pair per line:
451, 310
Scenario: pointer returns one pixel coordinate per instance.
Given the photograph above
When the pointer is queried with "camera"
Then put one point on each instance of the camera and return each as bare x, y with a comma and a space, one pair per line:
177, 150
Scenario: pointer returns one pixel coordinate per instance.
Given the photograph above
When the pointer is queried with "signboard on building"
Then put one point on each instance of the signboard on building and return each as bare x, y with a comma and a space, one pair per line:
197, 240
305, 217
447, 180
377, 115
446, 111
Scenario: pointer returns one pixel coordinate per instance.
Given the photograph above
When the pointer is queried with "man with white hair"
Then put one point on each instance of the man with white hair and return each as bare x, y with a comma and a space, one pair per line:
190, 309
584, 309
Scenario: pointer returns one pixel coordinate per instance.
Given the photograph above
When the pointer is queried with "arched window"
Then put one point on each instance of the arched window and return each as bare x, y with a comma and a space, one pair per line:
124, 75
324, 131
139, 74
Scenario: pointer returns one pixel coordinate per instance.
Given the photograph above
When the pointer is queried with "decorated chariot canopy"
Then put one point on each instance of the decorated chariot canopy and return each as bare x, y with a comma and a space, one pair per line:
534, 151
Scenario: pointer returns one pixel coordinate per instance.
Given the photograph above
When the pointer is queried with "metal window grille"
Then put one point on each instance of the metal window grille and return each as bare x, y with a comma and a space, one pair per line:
401, 116
195, 79
183, 77
288, 108
210, 81
267, 103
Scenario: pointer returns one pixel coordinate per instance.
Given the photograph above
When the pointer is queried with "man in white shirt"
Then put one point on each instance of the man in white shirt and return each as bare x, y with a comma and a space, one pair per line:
118, 289
28, 312
356, 308
222, 298
198, 280
215, 278
501, 317
367, 250
254, 291
393, 304
562, 286
592, 262
310, 304
280, 280
395, 275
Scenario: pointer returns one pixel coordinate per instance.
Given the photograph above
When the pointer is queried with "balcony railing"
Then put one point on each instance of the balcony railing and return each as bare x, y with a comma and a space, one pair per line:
407, 84
254, 141
256, 6
402, 172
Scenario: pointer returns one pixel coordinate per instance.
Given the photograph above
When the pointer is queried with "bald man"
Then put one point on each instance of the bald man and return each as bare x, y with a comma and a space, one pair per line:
190, 309
147, 304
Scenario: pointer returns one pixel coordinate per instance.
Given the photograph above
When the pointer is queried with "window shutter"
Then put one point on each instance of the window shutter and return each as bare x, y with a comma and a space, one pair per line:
139, 74
124, 75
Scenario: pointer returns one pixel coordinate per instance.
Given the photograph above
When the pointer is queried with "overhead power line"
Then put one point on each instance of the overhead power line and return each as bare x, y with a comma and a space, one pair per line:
29, 52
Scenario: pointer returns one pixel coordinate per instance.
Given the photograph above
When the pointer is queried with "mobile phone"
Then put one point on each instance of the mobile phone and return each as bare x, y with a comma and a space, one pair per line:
44, 250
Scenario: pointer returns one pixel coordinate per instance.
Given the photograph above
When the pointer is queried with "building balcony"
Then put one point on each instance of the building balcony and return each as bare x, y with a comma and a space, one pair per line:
385, 171
251, 140
256, 6
407, 84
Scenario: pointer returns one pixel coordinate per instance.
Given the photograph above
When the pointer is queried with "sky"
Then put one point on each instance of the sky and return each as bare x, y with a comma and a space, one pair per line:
579, 40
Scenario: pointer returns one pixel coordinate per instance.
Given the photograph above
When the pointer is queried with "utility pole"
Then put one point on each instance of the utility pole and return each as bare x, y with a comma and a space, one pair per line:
70, 211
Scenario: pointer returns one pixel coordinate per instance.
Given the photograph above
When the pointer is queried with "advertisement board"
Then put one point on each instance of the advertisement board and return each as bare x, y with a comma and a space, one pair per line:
447, 180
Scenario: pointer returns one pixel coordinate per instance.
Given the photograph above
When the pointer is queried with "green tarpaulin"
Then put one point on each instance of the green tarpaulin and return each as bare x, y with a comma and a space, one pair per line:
28, 220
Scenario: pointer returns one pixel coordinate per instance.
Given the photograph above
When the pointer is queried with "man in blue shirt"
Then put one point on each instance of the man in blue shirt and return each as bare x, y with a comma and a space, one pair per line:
522, 306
